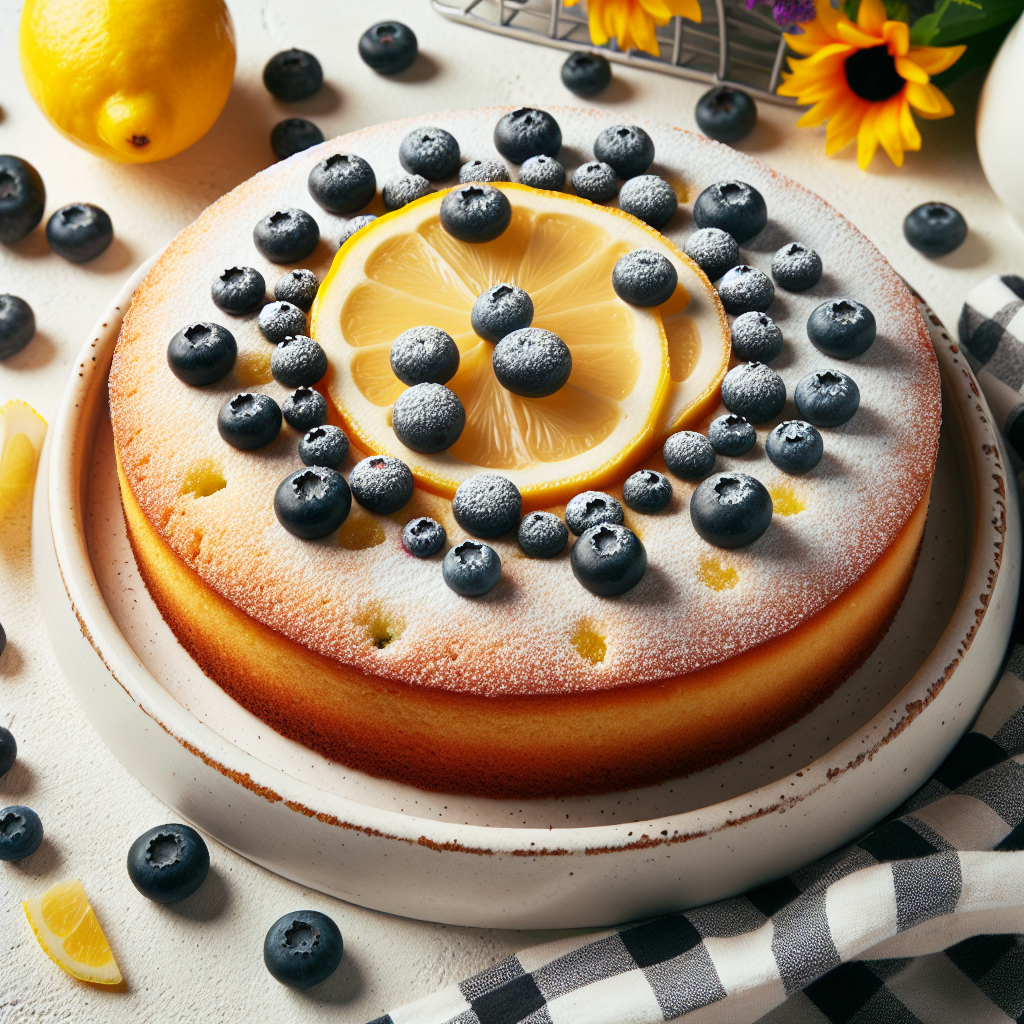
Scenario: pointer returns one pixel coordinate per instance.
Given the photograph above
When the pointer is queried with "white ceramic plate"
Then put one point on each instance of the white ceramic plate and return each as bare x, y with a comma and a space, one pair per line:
552, 863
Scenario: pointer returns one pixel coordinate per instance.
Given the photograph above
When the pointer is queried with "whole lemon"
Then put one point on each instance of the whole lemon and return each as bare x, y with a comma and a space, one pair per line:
135, 80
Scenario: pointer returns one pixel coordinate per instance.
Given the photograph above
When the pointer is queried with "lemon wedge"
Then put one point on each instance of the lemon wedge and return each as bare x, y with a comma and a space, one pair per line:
66, 926
22, 432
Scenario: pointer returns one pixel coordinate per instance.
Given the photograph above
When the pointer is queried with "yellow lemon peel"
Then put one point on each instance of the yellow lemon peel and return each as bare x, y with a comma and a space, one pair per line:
22, 432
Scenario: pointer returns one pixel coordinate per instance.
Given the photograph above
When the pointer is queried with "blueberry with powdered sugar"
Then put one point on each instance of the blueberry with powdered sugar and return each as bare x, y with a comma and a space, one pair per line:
713, 250
644, 278
312, 502
526, 132
502, 309
828, 398
249, 421
754, 391
795, 446
280, 320
532, 362
625, 147
401, 191
471, 568
475, 213
423, 537
543, 172
239, 290
354, 225
731, 510
325, 445
381, 484
299, 287
298, 361
591, 508
431, 152
756, 337
342, 183
733, 206
796, 268
304, 409
483, 170
424, 355
608, 560
286, 236
689, 455
647, 491
650, 198
746, 290
732, 435
487, 505
542, 535
595, 181
428, 418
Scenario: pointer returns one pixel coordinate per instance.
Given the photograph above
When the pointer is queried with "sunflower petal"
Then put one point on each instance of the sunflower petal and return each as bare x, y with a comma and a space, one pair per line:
871, 16
802, 44
641, 27
657, 9
598, 36
929, 101
897, 37
867, 138
933, 59
832, 50
911, 136
853, 36
827, 20
844, 125
907, 69
887, 128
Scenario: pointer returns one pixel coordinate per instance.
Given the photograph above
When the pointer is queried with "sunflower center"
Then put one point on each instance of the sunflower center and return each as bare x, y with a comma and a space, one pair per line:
872, 74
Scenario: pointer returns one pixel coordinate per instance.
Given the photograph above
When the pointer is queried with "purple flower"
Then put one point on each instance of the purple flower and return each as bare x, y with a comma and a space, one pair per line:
793, 12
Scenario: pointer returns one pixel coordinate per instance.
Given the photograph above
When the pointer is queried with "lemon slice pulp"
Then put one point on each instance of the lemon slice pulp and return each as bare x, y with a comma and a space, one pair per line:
22, 432
636, 373
66, 926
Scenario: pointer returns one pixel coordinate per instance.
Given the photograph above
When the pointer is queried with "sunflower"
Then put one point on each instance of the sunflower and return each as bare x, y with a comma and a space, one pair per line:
632, 22
864, 78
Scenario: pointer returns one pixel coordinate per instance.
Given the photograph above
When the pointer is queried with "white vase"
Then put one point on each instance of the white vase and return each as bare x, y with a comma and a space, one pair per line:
1000, 124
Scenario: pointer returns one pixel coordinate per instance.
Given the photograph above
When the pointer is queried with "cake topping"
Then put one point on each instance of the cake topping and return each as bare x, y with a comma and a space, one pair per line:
796, 268
644, 278
293, 75
286, 236
689, 455
627, 148
794, 446
475, 213
543, 172
487, 505
827, 398
585, 73
647, 491
304, 409
280, 320
731, 510
754, 391
202, 353
733, 206
423, 537
471, 568
342, 183
239, 290
249, 420
732, 435
354, 225
324, 446
746, 290
502, 309
381, 483
608, 559
756, 337
428, 418
591, 508
312, 502
843, 328
298, 361
424, 355
542, 535
595, 181
299, 287
650, 198
532, 362
431, 152
526, 132
483, 170
401, 191
713, 250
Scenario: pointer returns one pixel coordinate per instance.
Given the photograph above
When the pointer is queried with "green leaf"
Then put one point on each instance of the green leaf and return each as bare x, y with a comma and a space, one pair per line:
961, 22
981, 51
925, 29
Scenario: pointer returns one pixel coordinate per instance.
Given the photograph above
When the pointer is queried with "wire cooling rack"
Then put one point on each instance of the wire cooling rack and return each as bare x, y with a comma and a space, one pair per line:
731, 46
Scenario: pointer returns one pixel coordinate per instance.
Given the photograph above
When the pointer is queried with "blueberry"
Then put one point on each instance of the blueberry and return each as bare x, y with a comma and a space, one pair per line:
487, 505
731, 510
431, 152
475, 213
22, 198
586, 74
542, 172
647, 491
388, 47
526, 132
312, 502
794, 446
542, 535
733, 206
21, 832
827, 398
423, 537
471, 568
595, 181
746, 290
424, 355
532, 362
754, 391
756, 337
79, 232
483, 170
305, 409
249, 420
3, 638
280, 320
8, 746
501, 309
381, 483
293, 135
796, 268
298, 362
627, 148
649, 198
932, 228
689, 455
286, 236
342, 183
608, 559
401, 191
842, 328
17, 325
726, 114
239, 290
354, 225
299, 287
324, 446
428, 418
302, 949
713, 250
168, 863
644, 278
732, 435
293, 75
202, 353
591, 508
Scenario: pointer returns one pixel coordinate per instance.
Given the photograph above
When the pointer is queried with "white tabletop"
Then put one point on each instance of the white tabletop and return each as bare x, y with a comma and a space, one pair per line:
202, 960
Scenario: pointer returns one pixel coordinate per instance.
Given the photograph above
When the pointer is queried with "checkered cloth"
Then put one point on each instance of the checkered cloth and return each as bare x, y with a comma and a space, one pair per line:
918, 922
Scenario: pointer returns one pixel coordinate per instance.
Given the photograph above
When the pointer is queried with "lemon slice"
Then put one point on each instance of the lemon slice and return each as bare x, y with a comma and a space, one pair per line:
636, 373
66, 926
22, 432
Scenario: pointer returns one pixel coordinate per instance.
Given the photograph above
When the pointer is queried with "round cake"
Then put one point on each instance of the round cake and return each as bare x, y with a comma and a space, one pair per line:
351, 645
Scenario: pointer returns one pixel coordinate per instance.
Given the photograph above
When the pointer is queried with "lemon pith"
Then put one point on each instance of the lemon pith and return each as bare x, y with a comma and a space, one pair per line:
629, 364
